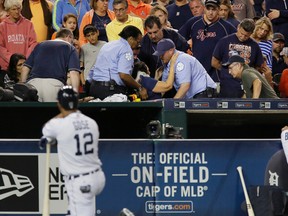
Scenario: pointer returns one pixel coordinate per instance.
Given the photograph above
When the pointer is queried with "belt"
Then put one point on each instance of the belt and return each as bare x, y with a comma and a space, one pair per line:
83, 174
105, 83
209, 93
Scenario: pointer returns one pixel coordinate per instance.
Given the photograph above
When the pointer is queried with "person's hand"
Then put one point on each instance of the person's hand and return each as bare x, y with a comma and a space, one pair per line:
46, 140
273, 14
143, 94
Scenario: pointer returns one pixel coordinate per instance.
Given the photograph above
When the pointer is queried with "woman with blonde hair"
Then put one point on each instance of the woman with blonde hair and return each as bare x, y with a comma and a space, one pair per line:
162, 13
263, 34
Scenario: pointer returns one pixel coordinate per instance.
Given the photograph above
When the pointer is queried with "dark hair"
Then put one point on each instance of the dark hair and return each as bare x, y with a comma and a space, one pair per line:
76, 31
151, 20
64, 32
89, 28
139, 66
26, 12
248, 25
115, 2
12, 67
130, 31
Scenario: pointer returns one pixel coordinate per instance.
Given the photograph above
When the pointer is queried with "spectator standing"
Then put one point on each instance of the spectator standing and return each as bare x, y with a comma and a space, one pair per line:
90, 50
227, 14
241, 44
138, 8
205, 31
39, 12
278, 64
63, 7
99, 16
161, 2
111, 74
3, 12
122, 19
178, 13
191, 79
17, 34
263, 34
46, 77
277, 11
162, 13
197, 7
254, 84
156, 32
243, 9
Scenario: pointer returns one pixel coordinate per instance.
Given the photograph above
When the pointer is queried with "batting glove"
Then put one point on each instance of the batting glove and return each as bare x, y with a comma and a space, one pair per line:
46, 140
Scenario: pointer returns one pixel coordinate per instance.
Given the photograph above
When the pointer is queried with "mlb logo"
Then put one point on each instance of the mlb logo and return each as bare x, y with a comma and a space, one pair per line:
19, 183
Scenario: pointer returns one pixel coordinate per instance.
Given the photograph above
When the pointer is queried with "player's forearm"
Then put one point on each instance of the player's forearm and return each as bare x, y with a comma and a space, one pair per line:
182, 91
129, 81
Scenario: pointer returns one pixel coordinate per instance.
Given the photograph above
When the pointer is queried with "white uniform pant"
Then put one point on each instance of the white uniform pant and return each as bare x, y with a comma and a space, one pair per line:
80, 203
47, 88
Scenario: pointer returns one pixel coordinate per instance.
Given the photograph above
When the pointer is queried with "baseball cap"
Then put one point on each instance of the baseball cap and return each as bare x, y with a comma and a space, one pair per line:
164, 45
278, 36
284, 51
212, 3
232, 59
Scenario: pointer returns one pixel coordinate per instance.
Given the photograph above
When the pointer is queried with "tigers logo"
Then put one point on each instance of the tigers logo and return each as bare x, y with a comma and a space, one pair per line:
13, 184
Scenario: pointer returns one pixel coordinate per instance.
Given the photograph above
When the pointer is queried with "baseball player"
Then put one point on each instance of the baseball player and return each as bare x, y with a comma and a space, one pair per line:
77, 137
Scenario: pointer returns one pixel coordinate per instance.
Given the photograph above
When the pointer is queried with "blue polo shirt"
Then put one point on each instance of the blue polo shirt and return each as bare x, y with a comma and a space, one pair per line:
189, 70
114, 57
52, 59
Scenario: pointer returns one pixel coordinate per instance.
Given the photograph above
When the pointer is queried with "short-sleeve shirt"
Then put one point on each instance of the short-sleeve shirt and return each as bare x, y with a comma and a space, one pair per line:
177, 16
73, 133
52, 59
248, 77
205, 37
231, 45
114, 57
189, 70
149, 84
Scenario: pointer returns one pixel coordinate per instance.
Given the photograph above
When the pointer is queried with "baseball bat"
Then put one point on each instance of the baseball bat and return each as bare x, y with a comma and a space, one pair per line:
46, 206
247, 199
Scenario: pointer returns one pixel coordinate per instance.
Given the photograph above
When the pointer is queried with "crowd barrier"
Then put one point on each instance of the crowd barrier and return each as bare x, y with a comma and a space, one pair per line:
149, 177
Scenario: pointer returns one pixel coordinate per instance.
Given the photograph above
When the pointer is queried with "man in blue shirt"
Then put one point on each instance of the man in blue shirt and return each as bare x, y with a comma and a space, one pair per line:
191, 78
111, 74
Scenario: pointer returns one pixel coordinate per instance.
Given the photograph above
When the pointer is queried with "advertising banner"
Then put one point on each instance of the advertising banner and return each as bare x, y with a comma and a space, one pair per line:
148, 177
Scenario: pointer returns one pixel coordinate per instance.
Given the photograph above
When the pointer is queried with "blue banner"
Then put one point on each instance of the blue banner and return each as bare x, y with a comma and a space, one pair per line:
149, 177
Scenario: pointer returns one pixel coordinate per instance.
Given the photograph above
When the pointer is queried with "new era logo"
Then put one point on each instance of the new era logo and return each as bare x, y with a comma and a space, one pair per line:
13, 184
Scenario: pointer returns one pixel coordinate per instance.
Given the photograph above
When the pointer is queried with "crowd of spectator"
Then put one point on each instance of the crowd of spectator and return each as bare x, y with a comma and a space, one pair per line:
93, 45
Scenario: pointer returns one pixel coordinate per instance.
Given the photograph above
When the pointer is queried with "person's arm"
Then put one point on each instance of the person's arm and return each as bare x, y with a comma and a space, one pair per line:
24, 73
129, 81
57, 15
162, 86
257, 86
184, 87
216, 63
75, 79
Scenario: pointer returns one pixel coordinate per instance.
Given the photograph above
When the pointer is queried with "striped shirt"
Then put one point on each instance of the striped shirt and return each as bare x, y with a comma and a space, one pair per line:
266, 48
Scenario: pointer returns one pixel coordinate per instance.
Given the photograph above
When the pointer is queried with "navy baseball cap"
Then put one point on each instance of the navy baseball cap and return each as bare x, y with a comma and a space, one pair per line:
163, 45
214, 3
278, 36
232, 59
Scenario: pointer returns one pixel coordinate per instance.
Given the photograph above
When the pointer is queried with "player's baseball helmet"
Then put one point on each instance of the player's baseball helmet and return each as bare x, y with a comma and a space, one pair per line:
68, 98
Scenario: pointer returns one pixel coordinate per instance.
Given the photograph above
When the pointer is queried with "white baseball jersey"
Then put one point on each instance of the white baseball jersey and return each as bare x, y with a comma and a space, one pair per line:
77, 136
284, 140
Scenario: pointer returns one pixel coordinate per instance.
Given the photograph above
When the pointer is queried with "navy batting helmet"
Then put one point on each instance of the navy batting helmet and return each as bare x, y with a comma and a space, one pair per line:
68, 98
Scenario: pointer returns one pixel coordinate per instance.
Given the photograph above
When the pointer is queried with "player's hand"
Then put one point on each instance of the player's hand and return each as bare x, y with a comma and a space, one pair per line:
284, 128
273, 14
46, 140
